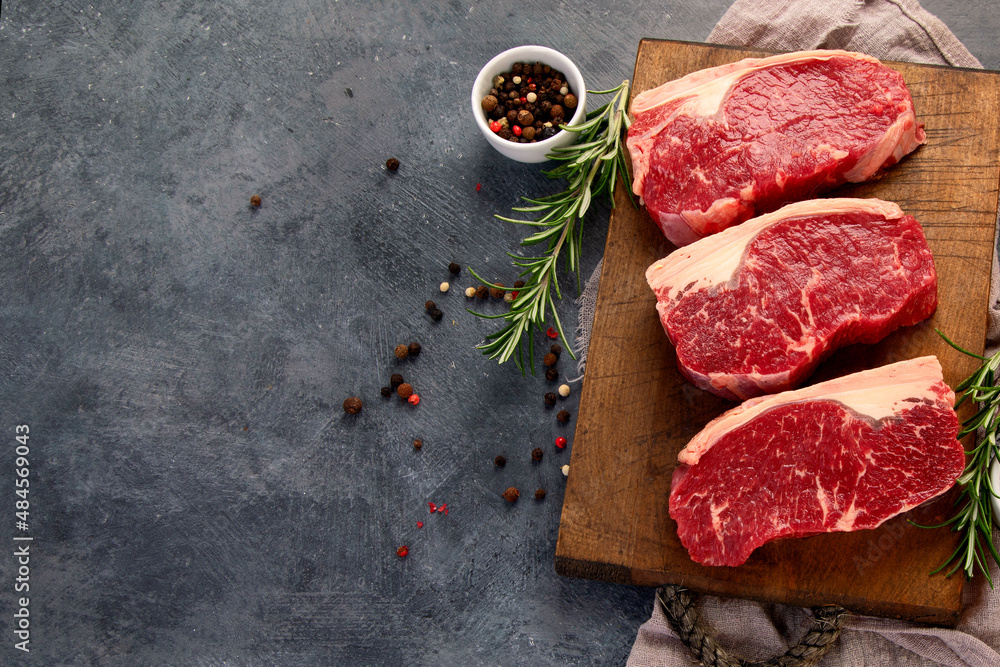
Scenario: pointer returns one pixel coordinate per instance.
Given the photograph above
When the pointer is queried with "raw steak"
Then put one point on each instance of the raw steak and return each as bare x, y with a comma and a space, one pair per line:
721, 145
842, 455
754, 309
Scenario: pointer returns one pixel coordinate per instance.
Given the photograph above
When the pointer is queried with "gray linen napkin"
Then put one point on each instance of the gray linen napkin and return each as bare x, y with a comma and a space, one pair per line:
890, 30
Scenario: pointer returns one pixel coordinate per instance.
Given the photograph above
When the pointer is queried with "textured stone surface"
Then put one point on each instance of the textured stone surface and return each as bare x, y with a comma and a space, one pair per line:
197, 493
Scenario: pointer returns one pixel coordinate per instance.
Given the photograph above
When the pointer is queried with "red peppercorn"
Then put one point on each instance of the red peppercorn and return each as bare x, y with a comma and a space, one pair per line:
495, 126
413, 399
552, 333
479, 186
560, 442
402, 551
420, 524
516, 130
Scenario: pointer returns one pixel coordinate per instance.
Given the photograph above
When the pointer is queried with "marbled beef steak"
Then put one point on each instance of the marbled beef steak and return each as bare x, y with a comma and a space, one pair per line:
754, 309
721, 145
847, 454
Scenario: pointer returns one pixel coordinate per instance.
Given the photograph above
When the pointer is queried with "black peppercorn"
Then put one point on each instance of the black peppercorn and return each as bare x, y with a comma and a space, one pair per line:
536, 454
418, 443
414, 349
392, 164
430, 305
395, 380
500, 461
454, 268
352, 405
563, 416
550, 399
436, 314
518, 283
482, 291
551, 374
556, 349
540, 494
385, 391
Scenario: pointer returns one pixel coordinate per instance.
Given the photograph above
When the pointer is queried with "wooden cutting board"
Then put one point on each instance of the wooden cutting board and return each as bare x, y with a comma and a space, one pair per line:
636, 412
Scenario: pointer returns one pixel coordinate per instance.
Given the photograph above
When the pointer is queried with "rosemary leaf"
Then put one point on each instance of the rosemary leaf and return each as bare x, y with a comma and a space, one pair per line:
590, 169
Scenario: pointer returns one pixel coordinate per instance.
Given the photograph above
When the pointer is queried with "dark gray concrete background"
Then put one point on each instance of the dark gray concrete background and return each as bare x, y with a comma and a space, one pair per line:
197, 494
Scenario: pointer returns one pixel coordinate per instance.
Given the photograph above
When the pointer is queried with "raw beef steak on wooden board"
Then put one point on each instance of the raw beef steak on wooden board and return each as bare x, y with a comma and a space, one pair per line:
842, 455
721, 145
754, 309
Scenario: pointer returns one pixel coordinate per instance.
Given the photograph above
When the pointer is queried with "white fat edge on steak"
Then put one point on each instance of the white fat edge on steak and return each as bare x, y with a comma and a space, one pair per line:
876, 394
704, 91
716, 259
902, 138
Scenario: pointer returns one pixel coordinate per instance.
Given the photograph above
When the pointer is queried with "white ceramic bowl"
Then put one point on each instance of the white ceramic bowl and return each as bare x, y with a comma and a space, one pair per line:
534, 152
995, 477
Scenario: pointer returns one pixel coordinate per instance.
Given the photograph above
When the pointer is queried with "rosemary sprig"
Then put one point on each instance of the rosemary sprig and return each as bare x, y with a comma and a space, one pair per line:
974, 518
590, 167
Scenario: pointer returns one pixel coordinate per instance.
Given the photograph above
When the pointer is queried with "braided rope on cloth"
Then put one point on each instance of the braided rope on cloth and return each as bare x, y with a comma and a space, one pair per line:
678, 603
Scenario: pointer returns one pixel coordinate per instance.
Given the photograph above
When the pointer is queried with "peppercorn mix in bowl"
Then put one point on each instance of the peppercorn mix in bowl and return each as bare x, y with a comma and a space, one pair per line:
561, 100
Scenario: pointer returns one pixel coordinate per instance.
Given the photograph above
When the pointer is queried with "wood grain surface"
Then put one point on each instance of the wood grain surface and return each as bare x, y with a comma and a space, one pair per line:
637, 412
